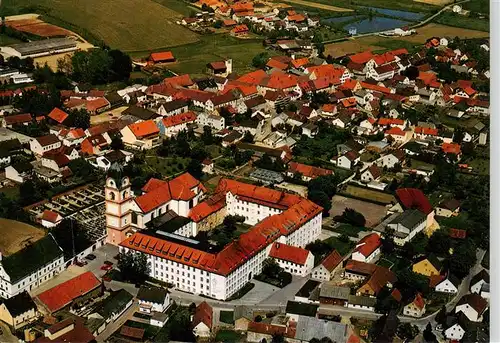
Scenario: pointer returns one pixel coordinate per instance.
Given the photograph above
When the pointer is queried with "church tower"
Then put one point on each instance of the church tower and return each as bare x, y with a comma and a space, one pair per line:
118, 199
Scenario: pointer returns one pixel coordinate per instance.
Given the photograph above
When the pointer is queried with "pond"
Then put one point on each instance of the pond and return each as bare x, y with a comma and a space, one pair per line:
413, 16
339, 19
376, 24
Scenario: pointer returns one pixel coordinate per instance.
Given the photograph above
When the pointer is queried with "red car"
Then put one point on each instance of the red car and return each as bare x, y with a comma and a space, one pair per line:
106, 267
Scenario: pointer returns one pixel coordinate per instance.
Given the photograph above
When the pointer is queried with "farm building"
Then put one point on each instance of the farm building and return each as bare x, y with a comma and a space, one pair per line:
40, 48
161, 57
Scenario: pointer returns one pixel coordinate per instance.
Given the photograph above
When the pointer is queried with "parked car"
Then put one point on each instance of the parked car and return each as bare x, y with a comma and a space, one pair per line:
106, 267
90, 257
109, 263
81, 263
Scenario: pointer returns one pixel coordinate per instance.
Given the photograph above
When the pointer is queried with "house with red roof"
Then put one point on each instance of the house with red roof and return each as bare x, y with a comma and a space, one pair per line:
452, 149
41, 145
74, 291
142, 135
306, 172
425, 132
203, 320
17, 119
326, 270
72, 137
294, 260
372, 173
50, 218
161, 57
416, 308
58, 115
171, 126
240, 30
94, 145
368, 248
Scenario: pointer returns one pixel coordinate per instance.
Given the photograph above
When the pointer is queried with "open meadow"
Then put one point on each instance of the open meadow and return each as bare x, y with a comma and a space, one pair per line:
378, 43
129, 25
15, 235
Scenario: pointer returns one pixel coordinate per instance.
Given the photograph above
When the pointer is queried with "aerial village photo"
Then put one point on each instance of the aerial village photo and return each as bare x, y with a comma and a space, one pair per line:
264, 171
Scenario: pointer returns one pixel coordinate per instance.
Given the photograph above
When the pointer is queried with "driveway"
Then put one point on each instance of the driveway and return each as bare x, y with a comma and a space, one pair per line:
281, 296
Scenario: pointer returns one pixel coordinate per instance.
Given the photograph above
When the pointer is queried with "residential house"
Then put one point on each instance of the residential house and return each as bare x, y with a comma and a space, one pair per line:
294, 260
361, 302
153, 299
18, 311
306, 172
41, 145
215, 122
19, 172
142, 135
75, 291
161, 57
258, 332
172, 108
96, 145
17, 119
295, 309
326, 270
207, 166
242, 316
108, 311
390, 160
202, 320
427, 266
58, 116
478, 280
456, 326
308, 293
68, 330
310, 327
473, 306
416, 308
333, 295
448, 208
367, 249
374, 277
310, 130
348, 160
31, 266
372, 173
172, 125
449, 284
50, 218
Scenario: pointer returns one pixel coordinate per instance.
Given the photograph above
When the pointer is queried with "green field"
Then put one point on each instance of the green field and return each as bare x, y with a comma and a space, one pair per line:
479, 6
192, 58
227, 336
130, 25
403, 5
452, 19
6, 40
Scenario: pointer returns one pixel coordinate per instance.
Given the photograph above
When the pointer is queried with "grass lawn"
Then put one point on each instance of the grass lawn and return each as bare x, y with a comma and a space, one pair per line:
214, 150
397, 262
227, 336
6, 40
342, 247
452, 19
480, 165
436, 300
167, 166
348, 229
369, 194
11, 192
193, 57
479, 6
180, 6
227, 317
385, 263
392, 44
129, 25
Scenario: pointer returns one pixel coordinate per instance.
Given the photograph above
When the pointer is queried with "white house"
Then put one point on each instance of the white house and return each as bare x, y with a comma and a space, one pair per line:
449, 284
372, 173
294, 260
50, 218
213, 121
478, 281
454, 329
391, 159
348, 160
361, 302
416, 308
473, 306
367, 249
41, 145
19, 172
326, 270
153, 299
203, 320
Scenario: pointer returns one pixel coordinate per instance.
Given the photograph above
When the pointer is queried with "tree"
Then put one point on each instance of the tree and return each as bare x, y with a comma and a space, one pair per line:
439, 243
117, 143
441, 316
134, 267
79, 118
218, 24
258, 318
120, 67
260, 60
463, 258
91, 66
81, 168
428, 334
69, 234
248, 137
179, 327
278, 338
270, 268
321, 198
195, 169
207, 137
351, 216
407, 331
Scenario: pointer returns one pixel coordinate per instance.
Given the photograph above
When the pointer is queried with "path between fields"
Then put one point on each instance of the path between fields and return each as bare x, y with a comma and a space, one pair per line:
321, 6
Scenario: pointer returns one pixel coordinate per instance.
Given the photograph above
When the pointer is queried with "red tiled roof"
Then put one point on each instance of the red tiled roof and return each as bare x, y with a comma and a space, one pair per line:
458, 233
414, 198
308, 171
395, 131
279, 80
18, 119
63, 294
58, 115
368, 244
47, 140
242, 7
207, 207
419, 301
297, 212
299, 62
475, 301
328, 108
273, 63
50, 216
332, 261
179, 81
272, 330
289, 253
451, 148
96, 104
240, 29
162, 56
144, 128
137, 333
426, 131
203, 314
435, 280
229, 22
254, 77
375, 87
361, 57
296, 17
178, 119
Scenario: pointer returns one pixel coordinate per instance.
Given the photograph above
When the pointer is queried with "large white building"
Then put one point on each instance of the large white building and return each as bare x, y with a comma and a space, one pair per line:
200, 268
30, 267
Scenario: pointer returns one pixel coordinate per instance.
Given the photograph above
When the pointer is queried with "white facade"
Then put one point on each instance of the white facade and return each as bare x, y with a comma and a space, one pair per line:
454, 332
149, 306
357, 256
210, 120
295, 268
388, 161
38, 149
469, 312
201, 330
446, 287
